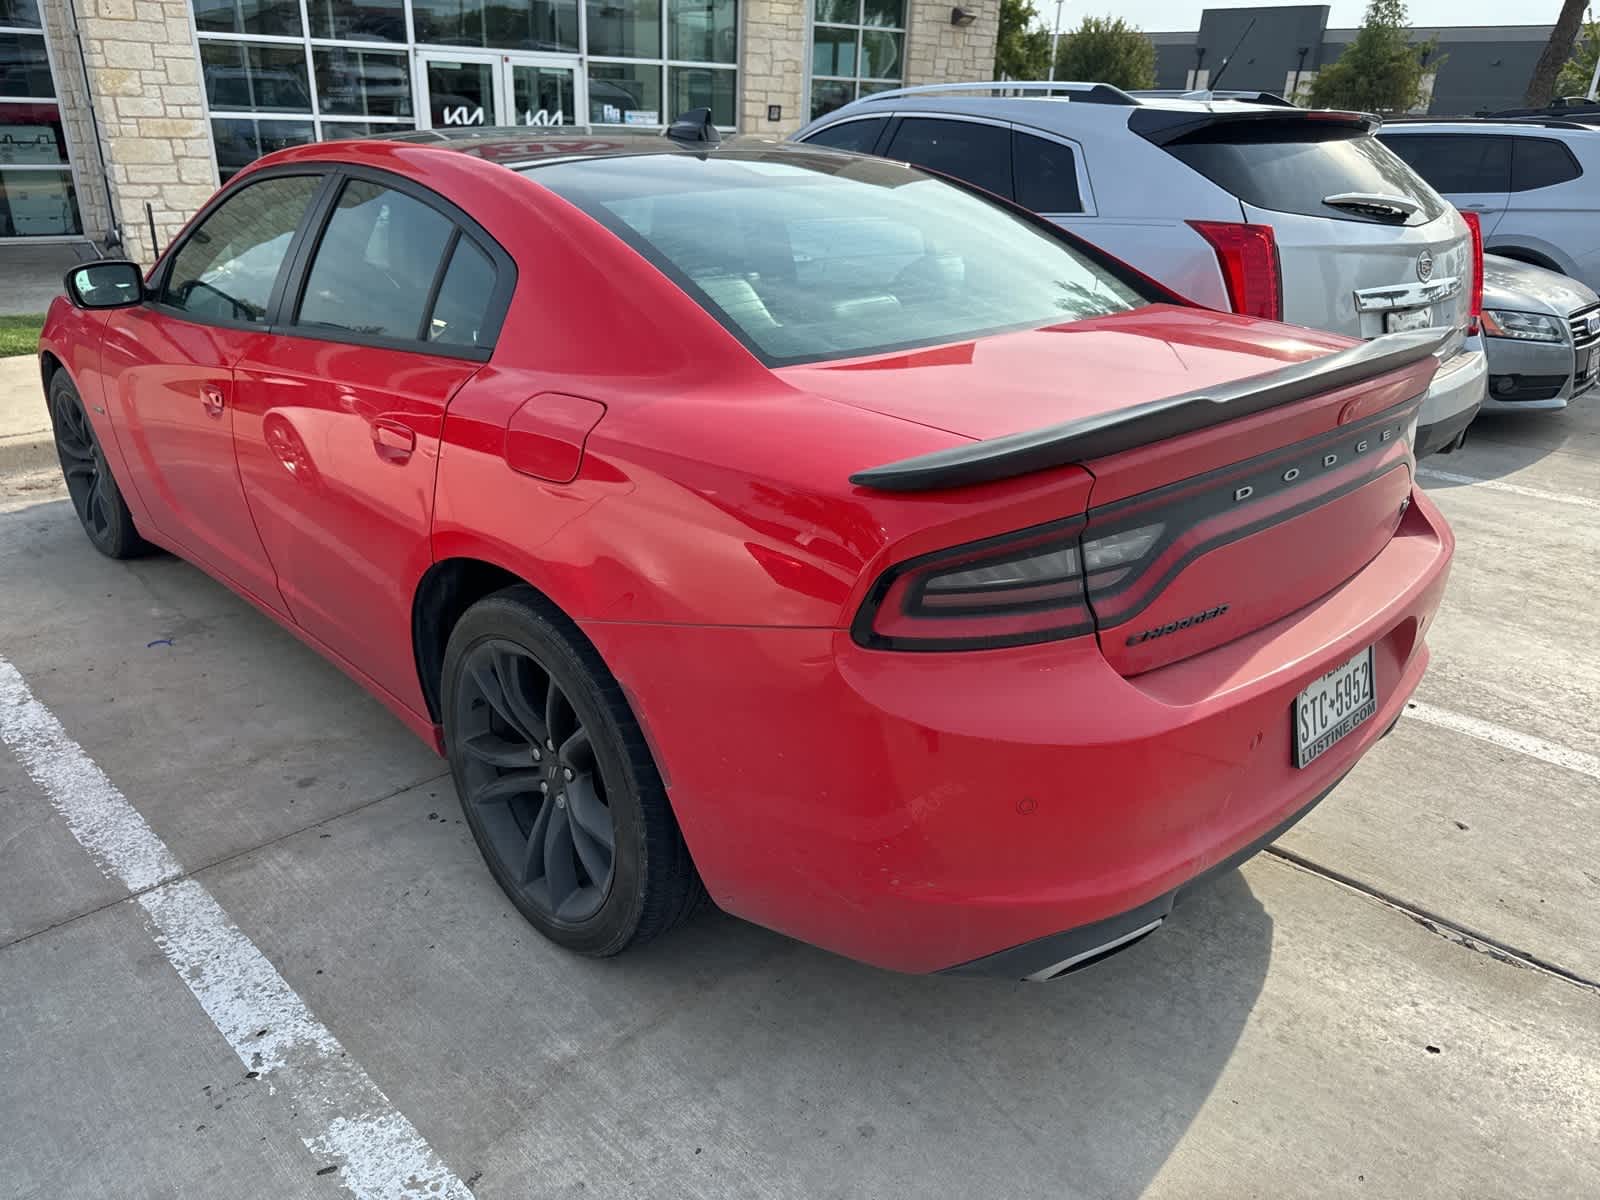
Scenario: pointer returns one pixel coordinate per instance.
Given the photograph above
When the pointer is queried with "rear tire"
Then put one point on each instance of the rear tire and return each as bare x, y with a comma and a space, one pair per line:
556, 781
95, 497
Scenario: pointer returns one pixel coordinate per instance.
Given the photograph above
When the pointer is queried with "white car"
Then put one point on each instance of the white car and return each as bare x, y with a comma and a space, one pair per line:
1249, 205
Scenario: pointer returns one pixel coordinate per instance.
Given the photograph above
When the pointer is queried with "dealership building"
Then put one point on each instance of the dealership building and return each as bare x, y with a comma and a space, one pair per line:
107, 106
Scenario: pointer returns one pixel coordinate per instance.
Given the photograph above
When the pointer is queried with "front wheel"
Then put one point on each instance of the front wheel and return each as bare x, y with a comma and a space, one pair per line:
101, 510
556, 782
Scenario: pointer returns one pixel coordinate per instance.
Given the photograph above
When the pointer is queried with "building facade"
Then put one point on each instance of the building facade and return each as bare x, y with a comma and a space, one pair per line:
1471, 69
110, 106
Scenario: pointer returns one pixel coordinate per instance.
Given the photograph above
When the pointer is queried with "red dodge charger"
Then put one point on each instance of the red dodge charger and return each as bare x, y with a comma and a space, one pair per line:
773, 523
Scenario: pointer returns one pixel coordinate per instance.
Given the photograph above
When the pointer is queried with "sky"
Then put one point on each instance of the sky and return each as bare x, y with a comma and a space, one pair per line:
1184, 15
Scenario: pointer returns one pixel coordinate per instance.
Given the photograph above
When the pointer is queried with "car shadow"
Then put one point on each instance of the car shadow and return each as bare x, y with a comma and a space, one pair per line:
952, 1085
1504, 443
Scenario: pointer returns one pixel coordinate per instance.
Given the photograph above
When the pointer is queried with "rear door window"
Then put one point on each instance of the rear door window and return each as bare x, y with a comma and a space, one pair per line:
977, 153
1045, 173
858, 136
1455, 163
1290, 166
374, 270
1540, 162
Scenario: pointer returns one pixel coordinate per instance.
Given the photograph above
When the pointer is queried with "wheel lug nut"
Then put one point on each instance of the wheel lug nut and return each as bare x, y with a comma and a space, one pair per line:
537, 755
550, 745
568, 773
544, 785
561, 801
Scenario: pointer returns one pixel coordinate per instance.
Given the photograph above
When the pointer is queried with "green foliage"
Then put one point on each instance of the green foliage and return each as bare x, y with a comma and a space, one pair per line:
1023, 49
1108, 50
1579, 69
1382, 70
20, 335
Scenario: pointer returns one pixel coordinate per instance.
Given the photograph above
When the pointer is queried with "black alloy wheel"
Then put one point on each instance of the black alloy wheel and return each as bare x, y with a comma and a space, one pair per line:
94, 494
532, 778
556, 781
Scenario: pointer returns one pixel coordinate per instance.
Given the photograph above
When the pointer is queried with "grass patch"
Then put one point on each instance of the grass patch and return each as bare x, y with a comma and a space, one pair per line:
20, 335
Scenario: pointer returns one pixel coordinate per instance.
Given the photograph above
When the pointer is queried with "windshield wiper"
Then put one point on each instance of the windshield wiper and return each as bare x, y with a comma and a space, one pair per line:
1379, 204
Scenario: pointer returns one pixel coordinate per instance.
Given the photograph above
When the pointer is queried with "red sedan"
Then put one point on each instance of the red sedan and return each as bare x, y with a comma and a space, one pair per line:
773, 523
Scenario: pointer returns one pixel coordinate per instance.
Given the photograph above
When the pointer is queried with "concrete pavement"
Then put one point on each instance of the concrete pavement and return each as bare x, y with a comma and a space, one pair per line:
1285, 1035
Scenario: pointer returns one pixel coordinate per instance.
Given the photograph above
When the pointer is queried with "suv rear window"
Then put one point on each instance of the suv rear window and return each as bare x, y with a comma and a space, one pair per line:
1290, 166
803, 259
1456, 162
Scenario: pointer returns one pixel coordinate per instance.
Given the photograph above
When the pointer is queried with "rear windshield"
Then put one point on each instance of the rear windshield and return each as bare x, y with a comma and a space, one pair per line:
821, 256
1293, 166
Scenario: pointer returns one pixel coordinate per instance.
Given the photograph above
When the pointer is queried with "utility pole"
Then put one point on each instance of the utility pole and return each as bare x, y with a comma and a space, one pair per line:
1055, 40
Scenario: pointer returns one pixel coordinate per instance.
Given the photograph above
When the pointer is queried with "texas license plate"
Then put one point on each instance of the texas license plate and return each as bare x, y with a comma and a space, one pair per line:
1415, 318
1332, 707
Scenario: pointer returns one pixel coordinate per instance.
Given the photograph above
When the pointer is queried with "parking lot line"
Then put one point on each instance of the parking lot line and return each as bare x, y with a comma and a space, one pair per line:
1500, 485
341, 1115
1508, 739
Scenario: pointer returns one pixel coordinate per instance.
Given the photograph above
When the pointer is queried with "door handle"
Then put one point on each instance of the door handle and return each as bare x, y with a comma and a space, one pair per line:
393, 440
211, 397
1476, 207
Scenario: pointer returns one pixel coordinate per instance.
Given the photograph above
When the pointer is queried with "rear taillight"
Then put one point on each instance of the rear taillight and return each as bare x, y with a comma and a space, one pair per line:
1248, 256
1005, 591
1475, 308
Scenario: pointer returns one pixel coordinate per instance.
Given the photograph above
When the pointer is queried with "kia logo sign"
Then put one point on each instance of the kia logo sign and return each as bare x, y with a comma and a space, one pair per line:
1424, 266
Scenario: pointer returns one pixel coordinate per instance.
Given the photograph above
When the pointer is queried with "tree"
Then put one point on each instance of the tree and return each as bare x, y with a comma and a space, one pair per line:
1556, 52
1108, 50
1023, 48
1575, 76
1381, 70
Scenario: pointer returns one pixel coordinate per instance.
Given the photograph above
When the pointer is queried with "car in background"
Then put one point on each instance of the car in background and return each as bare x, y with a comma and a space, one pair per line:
1251, 205
919, 581
1542, 331
1533, 181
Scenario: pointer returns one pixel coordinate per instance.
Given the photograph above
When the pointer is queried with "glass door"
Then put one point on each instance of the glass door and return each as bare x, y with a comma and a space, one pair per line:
543, 91
461, 90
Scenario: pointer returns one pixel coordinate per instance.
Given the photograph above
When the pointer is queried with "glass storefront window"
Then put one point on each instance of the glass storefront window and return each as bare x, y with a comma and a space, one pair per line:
624, 30
358, 20
255, 77
533, 25
275, 18
624, 94
24, 65
703, 31
364, 83
31, 134
241, 142
20, 14
38, 204
703, 87
857, 47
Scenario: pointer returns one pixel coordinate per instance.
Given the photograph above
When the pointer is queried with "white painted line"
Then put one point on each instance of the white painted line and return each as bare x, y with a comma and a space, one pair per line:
341, 1115
1515, 489
1507, 739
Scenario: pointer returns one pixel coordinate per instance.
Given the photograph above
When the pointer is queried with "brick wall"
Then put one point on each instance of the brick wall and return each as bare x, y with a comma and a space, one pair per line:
939, 52
144, 76
774, 65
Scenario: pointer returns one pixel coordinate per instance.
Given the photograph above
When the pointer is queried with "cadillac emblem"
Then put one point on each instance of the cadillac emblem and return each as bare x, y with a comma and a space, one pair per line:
1425, 266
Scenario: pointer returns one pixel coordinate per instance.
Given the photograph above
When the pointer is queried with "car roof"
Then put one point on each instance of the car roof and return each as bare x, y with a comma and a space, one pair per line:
1532, 126
524, 147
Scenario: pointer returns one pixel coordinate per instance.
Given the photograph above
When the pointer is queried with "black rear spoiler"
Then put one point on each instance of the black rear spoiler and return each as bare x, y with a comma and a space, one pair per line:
1163, 126
1123, 429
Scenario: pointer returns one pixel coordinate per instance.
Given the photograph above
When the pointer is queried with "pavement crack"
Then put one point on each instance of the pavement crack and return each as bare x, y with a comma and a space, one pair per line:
1441, 926
192, 872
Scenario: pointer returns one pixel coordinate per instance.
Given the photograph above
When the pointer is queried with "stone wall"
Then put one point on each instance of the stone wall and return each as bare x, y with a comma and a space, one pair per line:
939, 52
773, 66
144, 77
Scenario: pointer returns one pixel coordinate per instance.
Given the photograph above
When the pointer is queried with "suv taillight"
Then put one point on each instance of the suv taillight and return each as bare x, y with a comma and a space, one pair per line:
1248, 256
1475, 309
1003, 591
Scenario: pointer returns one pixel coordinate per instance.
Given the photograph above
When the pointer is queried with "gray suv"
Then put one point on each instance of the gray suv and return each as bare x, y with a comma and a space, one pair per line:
1255, 206
1534, 183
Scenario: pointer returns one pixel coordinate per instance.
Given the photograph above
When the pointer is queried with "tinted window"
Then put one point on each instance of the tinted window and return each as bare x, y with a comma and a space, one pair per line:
804, 260
1289, 166
1540, 162
860, 136
1456, 162
980, 154
1046, 174
226, 268
376, 264
461, 311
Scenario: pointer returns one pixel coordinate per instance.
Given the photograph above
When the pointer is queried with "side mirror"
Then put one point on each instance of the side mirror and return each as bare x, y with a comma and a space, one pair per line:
111, 283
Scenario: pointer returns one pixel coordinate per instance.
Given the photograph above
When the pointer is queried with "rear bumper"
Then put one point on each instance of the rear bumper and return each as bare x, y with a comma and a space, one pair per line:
923, 811
1453, 399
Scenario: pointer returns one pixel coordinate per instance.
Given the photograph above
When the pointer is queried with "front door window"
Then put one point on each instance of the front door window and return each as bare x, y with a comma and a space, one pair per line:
480, 90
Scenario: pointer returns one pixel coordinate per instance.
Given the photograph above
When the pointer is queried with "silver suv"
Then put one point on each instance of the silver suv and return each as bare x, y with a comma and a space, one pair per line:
1254, 206
1533, 181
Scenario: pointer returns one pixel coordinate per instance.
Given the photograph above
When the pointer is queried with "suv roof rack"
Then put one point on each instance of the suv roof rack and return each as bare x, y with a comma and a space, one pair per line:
1251, 97
1579, 121
1088, 93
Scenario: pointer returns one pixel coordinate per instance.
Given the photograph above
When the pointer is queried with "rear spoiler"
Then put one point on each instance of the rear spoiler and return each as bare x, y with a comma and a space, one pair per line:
1163, 126
1108, 433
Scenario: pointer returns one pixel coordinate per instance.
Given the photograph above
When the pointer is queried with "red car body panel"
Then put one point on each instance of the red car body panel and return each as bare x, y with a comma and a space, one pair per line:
691, 510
